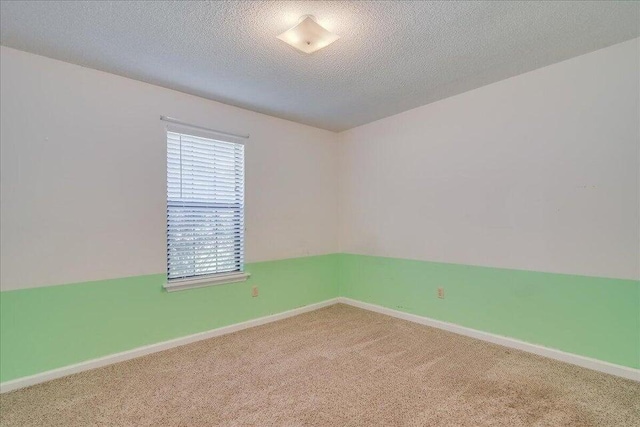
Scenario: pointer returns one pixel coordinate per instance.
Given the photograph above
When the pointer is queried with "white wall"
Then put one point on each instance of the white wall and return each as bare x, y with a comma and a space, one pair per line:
83, 178
537, 172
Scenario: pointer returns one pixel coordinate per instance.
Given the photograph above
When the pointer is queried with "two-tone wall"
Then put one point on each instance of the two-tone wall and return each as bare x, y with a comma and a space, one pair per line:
521, 199
83, 215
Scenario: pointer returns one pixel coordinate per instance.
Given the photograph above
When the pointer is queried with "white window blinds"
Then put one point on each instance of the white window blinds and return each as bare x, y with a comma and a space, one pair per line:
205, 206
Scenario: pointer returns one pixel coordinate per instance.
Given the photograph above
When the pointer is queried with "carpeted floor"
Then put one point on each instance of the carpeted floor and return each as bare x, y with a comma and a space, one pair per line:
339, 366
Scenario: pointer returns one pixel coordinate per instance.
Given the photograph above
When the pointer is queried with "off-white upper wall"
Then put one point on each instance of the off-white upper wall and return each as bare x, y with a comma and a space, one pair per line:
83, 175
537, 172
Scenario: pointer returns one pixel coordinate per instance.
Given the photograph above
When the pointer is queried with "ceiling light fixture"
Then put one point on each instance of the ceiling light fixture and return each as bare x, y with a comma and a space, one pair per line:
308, 36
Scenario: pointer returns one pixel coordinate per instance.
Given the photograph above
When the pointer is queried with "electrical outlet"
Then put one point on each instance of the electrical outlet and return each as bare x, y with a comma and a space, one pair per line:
254, 291
441, 293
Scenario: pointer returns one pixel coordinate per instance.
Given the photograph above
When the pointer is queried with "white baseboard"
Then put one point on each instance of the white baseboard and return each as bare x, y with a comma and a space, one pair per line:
153, 348
585, 362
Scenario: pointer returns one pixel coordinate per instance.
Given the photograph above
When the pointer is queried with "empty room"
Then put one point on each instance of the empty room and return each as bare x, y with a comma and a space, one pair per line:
319, 213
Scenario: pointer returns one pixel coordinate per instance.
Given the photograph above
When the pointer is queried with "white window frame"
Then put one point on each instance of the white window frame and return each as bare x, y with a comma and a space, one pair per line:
216, 278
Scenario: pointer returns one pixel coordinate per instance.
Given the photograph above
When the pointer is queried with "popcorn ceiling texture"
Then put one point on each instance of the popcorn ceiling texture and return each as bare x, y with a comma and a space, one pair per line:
339, 366
391, 57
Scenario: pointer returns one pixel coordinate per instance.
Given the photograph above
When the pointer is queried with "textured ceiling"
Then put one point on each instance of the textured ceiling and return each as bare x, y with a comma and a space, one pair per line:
391, 57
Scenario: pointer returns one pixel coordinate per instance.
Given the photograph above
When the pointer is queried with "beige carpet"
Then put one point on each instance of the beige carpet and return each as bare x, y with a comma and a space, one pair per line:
339, 366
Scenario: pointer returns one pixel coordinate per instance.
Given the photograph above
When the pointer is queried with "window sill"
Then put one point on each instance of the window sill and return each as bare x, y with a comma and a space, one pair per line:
180, 285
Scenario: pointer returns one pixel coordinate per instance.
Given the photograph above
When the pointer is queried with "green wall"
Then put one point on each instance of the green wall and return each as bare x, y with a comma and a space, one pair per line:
589, 316
54, 326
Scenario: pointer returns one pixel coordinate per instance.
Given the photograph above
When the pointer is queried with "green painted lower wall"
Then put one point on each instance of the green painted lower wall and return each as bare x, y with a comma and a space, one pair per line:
593, 317
55, 326
50, 327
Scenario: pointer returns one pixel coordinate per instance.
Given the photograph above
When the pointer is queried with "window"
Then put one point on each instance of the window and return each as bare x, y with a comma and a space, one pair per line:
205, 210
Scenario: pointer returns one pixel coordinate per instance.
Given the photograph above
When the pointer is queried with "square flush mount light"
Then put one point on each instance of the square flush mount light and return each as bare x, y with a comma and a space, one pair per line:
308, 36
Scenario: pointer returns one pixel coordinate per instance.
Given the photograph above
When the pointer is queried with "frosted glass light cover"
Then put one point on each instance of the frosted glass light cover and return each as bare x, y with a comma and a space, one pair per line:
308, 36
